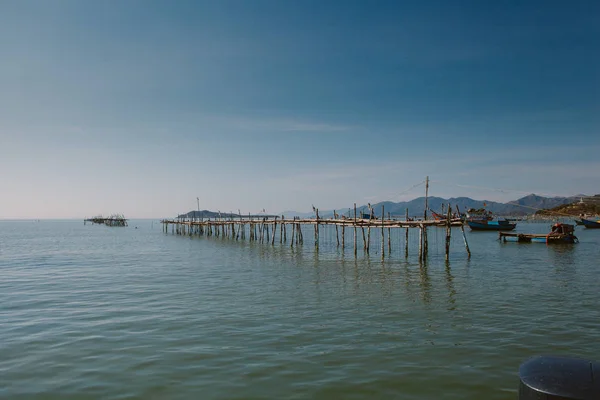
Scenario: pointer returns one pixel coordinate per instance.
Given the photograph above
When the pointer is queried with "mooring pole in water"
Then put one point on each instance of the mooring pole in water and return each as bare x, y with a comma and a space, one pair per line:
368, 246
462, 228
382, 232
406, 243
281, 229
317, 231
354, 229
425, 243
293, 232
420, 242
448, 231
337, 237
389, 234
343, 237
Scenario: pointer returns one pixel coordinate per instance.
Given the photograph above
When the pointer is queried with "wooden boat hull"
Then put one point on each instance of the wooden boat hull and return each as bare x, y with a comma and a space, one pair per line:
491, 225
591, 224
535, 238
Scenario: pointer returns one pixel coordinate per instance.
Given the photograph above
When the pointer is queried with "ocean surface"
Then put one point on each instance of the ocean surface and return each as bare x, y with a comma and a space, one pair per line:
97, 312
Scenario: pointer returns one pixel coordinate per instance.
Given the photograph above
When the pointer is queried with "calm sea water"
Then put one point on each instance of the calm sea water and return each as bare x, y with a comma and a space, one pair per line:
92, 311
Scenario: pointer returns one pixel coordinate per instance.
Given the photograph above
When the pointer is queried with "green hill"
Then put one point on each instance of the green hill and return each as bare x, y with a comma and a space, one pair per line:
574, 209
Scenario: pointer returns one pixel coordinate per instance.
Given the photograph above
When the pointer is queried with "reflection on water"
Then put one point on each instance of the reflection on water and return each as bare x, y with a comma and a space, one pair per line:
425, 284
451, 288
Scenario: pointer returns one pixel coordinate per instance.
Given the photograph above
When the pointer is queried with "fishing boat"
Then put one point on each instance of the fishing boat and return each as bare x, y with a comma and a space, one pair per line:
591, 224
437, 216
579, 222
560, 233
498, 225
483, 220
480, 214
364, 215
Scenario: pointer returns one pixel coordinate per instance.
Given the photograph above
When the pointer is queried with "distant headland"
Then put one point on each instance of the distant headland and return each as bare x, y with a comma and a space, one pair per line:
527, 205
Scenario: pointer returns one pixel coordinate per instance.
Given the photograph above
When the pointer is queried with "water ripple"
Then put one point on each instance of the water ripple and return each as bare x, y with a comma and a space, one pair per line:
91, 311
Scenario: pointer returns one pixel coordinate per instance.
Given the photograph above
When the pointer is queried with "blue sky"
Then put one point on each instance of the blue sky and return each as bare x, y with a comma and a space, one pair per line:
140, 107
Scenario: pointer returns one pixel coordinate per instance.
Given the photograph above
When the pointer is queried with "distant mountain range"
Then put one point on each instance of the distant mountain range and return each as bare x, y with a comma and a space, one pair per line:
212, 214
523, 206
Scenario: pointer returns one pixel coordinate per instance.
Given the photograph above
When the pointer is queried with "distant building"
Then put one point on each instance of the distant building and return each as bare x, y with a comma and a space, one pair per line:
590, 200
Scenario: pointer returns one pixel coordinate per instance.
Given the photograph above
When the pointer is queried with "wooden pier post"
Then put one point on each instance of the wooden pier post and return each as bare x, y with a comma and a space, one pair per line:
317, 230
406, 247
267, 230
293, 232
337, 237
389, 234
382, 231
420, 242
343, 236
281, 229
354, 229
448, 231
425, 242
362, 228
368, 247
462, 227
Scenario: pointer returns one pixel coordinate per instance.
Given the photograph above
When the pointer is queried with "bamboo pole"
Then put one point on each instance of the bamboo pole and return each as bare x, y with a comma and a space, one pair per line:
448, 232
354, 229
406, 247
362, 228
462, 227
317, 231
337, 238
368, 247
425, 243
293, 232
389, 234
420, 242
267, 230
426, 198
382, 231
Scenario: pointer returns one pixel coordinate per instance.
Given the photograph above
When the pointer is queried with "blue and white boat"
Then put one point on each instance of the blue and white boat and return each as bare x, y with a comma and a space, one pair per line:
588, 223
483, 220
497, 225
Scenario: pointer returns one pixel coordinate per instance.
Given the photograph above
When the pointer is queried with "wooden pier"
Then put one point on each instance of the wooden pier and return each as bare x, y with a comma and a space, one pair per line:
284, 230
113, 220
